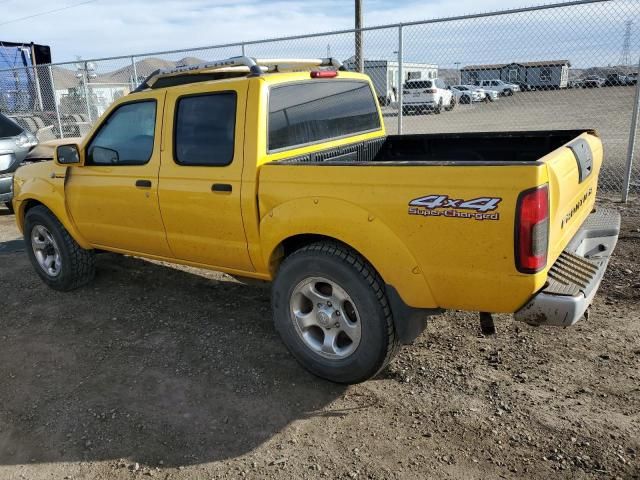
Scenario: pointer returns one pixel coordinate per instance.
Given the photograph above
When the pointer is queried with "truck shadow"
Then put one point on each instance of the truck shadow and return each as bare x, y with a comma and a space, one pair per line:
149, 364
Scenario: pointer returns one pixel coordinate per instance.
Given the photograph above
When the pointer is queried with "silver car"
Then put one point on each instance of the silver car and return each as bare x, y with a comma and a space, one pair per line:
15, 143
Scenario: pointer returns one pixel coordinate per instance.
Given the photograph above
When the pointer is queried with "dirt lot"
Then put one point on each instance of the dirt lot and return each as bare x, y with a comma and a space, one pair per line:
178, 373
608, 110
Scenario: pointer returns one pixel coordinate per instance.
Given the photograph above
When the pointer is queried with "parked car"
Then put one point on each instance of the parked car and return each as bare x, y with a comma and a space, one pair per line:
426, 95
632, 78
616, 80
490, 95
15, 143
577, 83
503, 88
593, 81
363, 234
465, 95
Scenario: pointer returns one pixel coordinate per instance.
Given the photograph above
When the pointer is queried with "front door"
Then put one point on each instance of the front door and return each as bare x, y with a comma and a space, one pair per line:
200, 176
113, 197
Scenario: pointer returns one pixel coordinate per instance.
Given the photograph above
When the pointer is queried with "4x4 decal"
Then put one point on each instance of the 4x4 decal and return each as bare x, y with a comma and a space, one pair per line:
481, 208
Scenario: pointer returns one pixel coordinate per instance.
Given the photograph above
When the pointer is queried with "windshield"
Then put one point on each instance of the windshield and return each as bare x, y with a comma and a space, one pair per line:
460, 87
8, 128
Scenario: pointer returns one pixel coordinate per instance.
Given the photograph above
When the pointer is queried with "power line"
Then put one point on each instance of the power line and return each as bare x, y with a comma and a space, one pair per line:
47, 12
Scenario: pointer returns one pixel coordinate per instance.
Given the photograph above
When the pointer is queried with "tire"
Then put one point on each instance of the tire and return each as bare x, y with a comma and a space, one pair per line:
337, 271
508, 92
438, 109
74, 265
465, 100
452, 105
9, 206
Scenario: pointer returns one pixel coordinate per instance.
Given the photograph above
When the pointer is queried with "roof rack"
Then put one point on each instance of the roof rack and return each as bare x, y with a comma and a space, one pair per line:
238, 65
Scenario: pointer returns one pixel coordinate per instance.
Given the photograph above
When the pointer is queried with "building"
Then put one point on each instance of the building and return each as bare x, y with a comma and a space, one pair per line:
542, 74
384, 75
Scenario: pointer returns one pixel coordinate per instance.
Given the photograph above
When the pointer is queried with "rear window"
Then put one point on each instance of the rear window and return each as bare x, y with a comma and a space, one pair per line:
312, 112
8, 128
418, 84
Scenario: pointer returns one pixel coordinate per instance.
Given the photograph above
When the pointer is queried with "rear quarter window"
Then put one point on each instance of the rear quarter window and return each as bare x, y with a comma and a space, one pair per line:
316, 111
8, 128
418, 84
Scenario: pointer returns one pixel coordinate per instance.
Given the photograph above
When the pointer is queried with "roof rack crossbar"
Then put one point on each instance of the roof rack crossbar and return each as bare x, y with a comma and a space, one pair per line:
254, 66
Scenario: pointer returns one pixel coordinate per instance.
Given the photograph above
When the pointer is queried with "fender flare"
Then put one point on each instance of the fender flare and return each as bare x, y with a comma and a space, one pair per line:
355, 227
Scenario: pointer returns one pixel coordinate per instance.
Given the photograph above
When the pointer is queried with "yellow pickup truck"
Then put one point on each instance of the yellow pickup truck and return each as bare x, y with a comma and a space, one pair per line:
281, 170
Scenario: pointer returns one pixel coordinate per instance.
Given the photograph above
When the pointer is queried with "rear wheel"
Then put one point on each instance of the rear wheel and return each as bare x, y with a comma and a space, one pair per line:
452, 104
57, 258
438, 108
331, 311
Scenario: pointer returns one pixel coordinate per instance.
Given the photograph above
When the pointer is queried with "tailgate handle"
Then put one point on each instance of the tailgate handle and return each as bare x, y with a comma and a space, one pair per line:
582, 152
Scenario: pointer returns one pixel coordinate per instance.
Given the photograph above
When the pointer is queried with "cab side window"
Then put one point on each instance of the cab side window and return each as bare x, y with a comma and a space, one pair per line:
205, 129
126, 137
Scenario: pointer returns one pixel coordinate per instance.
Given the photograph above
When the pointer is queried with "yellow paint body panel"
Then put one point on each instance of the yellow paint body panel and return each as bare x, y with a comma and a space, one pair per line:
455, 263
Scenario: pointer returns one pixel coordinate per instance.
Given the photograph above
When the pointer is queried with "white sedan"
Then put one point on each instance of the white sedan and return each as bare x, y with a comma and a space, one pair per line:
466, 94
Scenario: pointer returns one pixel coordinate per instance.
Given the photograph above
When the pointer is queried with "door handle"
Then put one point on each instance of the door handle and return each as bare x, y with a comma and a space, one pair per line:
143, 183
221, 187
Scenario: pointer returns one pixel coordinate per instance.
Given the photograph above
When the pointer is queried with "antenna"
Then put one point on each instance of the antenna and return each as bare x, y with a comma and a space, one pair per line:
625, 57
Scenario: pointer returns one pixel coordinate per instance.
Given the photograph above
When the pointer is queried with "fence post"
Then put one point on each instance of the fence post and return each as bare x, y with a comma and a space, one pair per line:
243, 54
85, 81
135, 72
632, 143
400, 78
55, 101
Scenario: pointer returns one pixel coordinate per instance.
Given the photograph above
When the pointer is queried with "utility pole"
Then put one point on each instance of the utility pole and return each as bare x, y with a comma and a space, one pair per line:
359, 59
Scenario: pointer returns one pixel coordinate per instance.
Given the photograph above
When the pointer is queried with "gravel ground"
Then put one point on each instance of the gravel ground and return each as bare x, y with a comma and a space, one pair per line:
177, 373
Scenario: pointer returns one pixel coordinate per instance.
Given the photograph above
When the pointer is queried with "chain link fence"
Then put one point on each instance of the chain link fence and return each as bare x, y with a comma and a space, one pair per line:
560, 66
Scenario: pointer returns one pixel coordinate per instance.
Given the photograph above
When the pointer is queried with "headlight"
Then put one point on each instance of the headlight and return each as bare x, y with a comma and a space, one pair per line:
25, 140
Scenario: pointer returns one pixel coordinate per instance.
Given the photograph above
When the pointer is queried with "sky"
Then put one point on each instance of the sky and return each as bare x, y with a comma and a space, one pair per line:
99, 28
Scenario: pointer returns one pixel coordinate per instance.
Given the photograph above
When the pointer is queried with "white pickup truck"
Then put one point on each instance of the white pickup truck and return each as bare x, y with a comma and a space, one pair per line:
504, 88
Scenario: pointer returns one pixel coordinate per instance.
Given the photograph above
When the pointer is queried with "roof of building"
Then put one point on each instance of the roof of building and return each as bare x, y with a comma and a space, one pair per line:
539, 63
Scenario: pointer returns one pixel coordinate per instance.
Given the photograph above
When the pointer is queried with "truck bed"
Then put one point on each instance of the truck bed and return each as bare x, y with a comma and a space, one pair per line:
444, 148
459, 253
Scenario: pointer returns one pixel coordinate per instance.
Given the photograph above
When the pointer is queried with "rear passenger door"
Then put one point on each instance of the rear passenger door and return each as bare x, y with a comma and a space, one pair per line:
200, 174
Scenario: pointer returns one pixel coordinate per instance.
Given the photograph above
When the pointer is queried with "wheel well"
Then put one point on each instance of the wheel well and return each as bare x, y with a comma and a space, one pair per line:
29, 204
296, 242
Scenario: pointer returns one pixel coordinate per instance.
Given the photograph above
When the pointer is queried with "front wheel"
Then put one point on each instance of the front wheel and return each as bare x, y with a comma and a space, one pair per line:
508, 92
331, 310
57, 258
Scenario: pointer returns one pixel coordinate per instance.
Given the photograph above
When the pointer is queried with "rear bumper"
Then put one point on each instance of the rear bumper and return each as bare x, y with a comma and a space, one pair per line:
574, 278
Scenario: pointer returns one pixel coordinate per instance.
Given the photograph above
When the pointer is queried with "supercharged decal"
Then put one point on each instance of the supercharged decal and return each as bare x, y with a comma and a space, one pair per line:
482, 208
576, 207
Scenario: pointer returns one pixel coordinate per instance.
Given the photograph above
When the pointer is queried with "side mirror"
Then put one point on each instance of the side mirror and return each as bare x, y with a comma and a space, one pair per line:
67, 154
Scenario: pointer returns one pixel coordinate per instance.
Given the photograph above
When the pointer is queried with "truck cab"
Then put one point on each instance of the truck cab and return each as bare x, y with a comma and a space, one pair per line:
281, 170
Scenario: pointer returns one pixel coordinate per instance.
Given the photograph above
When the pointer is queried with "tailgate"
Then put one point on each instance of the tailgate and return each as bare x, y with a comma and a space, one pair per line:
573, 171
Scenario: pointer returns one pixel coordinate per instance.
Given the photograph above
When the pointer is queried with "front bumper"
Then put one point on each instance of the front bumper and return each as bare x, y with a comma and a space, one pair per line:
574, 278
6, 187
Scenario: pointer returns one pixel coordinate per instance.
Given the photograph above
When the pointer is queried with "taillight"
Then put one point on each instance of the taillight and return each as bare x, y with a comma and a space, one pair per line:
324, 74
532, 230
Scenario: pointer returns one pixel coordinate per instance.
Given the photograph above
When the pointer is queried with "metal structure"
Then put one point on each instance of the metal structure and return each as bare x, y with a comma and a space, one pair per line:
587, 33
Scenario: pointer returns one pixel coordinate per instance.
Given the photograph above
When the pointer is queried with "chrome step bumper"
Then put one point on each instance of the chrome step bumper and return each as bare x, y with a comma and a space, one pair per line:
574, 278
